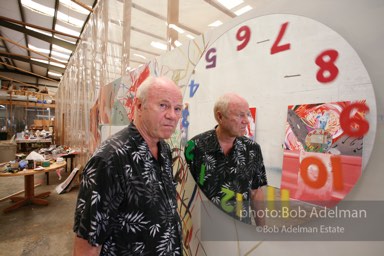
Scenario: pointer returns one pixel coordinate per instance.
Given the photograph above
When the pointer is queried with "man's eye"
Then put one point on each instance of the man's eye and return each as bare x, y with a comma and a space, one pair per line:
163, 106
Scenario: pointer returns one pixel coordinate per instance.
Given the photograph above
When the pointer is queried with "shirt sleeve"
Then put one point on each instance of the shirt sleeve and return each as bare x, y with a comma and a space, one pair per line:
98, 200
259, 177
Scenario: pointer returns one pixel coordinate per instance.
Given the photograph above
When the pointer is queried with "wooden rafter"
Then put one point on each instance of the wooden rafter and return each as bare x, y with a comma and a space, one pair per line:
29, 49
19, 82
25, 71
37, 27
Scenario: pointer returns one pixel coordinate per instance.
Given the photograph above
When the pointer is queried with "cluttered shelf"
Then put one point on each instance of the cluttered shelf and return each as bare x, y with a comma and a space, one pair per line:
29, 140
26, 104
23, 110
26, 98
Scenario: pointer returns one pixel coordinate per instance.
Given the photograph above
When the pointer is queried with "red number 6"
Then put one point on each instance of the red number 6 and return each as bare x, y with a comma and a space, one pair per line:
354, 126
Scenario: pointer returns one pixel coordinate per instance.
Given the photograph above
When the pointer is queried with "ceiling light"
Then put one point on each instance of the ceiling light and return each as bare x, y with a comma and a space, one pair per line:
40, 60
215, 24
64, 39
53, 53
39, 31
190, 36
60, 49
37, 49
75, 7
229, 4
140, 56
175, 27
60, 55
56, 64
49, 63
54, 74
243, 10
39, 8
159, 45
66, 30
61, 60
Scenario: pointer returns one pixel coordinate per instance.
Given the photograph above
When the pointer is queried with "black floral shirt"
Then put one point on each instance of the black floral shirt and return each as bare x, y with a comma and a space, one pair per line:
127, 199
226, 180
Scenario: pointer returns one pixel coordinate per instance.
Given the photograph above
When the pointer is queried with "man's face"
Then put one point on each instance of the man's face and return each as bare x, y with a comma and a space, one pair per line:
162, 111
235, 121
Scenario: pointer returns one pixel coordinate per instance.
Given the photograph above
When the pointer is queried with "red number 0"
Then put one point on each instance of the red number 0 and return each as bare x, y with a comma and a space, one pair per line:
328, 70
321, 179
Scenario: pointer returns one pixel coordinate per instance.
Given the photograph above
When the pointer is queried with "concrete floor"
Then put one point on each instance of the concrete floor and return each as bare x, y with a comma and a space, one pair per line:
33, 229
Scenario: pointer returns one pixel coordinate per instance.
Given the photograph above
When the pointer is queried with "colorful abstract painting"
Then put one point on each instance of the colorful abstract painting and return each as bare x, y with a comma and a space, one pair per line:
323, 148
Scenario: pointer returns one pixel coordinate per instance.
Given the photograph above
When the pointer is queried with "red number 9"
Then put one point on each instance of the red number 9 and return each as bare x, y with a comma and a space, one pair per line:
244, 35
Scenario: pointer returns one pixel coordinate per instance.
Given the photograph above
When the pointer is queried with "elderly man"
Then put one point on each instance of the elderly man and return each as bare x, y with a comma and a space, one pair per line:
127, 199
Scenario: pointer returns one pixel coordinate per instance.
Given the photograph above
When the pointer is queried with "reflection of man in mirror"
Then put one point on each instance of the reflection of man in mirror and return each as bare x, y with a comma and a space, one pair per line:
227, 165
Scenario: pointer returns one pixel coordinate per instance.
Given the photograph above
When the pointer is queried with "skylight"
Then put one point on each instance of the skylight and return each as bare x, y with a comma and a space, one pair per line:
39, 31
60, 55
39, 8
75, 7
243, 10
159, 45
229, 4
60, 49
69, 20
190, 36
178, 43
49, 62
175, 27
66, 30
37, 49
54, 74
215, 24
140, 56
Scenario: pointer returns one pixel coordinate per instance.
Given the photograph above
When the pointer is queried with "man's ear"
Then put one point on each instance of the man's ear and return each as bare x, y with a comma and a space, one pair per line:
139, 105
219, 116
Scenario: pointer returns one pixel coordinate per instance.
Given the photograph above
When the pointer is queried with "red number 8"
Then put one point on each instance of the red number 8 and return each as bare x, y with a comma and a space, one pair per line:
328, 65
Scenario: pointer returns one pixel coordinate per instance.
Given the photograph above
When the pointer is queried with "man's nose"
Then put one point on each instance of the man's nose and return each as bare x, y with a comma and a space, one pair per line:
172, 114
245, 120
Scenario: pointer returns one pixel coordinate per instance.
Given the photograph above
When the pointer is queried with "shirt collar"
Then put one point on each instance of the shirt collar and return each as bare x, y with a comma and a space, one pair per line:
213, 140
138, 139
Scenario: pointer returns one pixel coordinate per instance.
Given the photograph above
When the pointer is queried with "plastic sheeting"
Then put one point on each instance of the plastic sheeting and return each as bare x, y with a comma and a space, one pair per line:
101, 57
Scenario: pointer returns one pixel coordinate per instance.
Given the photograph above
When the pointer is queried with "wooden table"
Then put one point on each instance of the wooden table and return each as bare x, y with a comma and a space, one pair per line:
69, 156
29, 187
